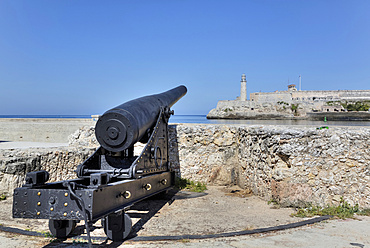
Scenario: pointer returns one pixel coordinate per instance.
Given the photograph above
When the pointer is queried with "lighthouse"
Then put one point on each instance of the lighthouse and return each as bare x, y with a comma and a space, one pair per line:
243, 88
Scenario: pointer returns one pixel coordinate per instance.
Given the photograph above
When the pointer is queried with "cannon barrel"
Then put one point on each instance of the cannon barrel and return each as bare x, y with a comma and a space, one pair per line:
121, 127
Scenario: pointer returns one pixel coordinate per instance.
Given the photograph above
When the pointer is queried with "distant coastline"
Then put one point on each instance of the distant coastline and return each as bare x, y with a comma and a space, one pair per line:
290, 104
194, 119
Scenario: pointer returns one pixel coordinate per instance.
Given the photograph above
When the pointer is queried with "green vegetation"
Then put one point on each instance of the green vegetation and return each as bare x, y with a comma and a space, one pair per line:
183, 183
275, 203
227, 110
184, 240
343, 210
333, 103
351, 106
46, 234
294, 108
282, 103
356, 106
2, 197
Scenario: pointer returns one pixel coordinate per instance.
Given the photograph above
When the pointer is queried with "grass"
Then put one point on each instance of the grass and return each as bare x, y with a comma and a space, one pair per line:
183, 183
343, 210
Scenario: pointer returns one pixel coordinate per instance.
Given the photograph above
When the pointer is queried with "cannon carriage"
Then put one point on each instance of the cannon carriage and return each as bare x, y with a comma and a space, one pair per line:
112, 179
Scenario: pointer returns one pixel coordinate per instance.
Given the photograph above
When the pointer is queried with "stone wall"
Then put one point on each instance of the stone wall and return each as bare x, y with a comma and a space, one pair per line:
59, 162
295, 166
250, 110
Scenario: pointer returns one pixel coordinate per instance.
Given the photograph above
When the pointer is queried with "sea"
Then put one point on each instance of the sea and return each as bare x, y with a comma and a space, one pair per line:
201, 119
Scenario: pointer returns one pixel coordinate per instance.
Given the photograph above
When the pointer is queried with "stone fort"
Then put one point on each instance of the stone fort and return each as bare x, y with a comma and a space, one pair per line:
287, 103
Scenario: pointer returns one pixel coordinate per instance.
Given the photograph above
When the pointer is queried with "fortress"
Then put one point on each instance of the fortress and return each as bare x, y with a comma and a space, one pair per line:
291, 103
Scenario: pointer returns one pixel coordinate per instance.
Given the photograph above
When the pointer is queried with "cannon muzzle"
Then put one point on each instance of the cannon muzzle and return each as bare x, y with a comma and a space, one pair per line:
121, 127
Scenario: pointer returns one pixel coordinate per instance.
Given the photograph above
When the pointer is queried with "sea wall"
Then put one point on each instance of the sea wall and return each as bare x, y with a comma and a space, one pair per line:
295, 166
250, 110
59, 162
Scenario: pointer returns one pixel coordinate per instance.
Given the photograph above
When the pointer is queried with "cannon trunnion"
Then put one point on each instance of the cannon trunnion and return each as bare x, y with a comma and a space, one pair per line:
112, 179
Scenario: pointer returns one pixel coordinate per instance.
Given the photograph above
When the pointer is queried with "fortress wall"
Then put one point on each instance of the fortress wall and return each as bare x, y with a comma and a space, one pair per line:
311, 94
59, 162
272, 97
355, 94
295, 166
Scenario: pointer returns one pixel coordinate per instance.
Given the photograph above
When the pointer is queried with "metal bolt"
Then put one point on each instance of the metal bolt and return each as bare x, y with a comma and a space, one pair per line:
66, 204
65, 194
164, 181
65, 214
38, 193
148, 186
51, 209
39, 204
127, 194
38, 213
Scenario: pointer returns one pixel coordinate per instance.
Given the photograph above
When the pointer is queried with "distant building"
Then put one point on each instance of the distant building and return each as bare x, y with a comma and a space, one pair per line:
282, 104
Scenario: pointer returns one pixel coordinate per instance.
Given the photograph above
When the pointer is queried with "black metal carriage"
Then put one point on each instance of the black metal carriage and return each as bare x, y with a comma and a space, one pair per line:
111, 179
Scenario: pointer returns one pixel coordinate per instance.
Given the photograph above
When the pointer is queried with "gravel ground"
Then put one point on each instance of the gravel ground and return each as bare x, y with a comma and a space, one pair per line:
217, 210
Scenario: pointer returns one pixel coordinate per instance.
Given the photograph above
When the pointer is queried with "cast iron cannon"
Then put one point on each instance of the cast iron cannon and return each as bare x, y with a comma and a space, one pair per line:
112, 179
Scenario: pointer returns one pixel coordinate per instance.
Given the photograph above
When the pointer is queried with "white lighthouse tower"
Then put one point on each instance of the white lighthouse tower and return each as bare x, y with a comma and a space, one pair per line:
243, 88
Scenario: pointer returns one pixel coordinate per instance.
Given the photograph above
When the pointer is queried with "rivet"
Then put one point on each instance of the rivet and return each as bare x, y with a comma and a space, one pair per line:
66, 194
38, 193
148, 186
127, 194
66, 204
51, 209
38, 213
39, 204
65, 214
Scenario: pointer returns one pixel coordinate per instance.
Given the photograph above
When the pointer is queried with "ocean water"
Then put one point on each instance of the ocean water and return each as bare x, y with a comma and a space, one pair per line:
201, 119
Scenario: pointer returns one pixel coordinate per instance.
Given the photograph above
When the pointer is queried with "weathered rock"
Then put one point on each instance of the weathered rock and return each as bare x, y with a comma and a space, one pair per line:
292, 165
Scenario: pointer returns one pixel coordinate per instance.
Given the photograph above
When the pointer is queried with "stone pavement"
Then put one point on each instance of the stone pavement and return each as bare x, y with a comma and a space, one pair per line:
332, 233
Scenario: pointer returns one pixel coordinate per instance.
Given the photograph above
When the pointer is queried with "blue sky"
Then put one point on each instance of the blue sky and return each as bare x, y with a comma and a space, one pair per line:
84, 57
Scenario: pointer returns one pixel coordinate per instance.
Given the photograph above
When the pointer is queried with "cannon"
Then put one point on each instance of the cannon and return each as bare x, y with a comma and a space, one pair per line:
112, 179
